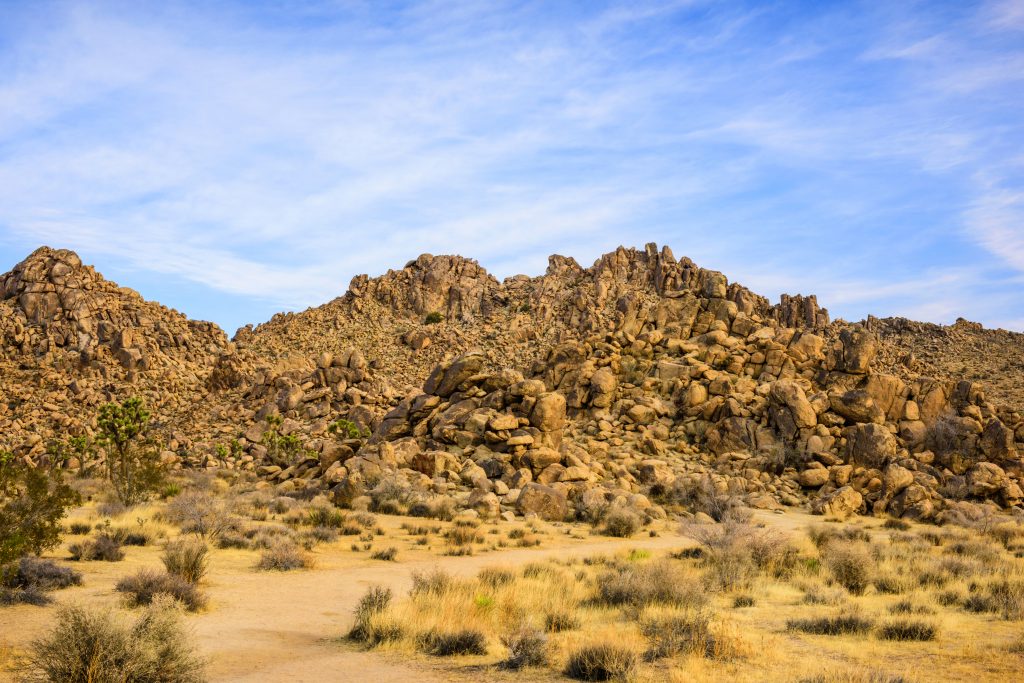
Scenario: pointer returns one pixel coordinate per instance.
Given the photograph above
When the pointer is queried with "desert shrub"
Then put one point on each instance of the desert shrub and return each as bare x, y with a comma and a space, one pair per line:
648, 584
896, 524
908, 607
850, 565
526, 647
44, 575
386, 554
823, 535
461, 535
948, 598
375, 601
233, 539
733, 553
79, 528
562, 620
815, 594
391, 496
892, 584
496, 577
103, 547
284, 556
23, 596
133, 461
620, 522
433, 318
323, 516
435, 582
199, 512
143, 587
323, 534
187, 558
834, 625
98, 647
677, 634
450, 643
701, 495
743, 601
601, 662
33, 500
906, 629
1001, 596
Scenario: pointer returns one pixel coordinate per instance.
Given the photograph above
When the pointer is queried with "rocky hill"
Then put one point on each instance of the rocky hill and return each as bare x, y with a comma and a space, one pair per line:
641, 382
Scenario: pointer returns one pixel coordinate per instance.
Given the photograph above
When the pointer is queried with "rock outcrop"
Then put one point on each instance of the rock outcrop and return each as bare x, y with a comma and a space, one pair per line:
559, 395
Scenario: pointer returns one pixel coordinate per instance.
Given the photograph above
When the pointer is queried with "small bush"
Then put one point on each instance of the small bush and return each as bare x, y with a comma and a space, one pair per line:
142, 588
648, 584
99, 647
837, 625
897, 524
851, 566
450, 643
199, 512
743, 601
526, 647
433, 318
556, 622
386, 554
620, 523
602, 662
79, 528
284, 556
102, 548
322, 516
187, 558
23, 596
1003, 597
678, 634
434, 582
40, 574
904, 629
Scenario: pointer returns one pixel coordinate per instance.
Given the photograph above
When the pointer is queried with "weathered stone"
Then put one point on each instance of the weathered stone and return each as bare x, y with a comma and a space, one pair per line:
544, 501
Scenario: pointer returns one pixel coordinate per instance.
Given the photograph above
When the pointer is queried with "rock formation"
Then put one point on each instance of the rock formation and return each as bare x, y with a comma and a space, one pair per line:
556, 395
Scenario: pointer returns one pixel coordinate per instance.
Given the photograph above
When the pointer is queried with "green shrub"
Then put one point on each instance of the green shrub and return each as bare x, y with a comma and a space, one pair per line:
33, 500
433, 318
98, 647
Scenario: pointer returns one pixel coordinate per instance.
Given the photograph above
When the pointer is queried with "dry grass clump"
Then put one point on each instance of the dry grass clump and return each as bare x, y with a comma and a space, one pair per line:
434, 582
143, 587
527, 646
284, 556
1002, 596
367, 628
187, 558
855, 676
649, 583
79, 528
386, 554
907, 629
845, 623
822, 536
98, 647
444, 643
601, 662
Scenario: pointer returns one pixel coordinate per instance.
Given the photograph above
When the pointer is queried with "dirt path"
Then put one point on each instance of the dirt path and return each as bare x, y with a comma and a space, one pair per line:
267, 626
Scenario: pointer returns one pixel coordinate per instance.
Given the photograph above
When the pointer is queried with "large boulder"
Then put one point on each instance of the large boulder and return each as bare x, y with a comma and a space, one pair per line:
855, 350
790, 409
546, 502
842, 503
857, 406
871, 445
548, 414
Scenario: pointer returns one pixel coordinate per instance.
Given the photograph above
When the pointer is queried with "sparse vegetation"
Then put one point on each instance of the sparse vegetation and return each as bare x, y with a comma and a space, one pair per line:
98, 647
132, 460
143, 587
186, 558
33, 500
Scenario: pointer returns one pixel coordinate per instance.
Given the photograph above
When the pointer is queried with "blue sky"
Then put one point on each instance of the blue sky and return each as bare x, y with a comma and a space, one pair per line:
236, 159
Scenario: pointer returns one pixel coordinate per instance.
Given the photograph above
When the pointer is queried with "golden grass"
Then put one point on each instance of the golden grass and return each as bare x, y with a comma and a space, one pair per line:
911, 577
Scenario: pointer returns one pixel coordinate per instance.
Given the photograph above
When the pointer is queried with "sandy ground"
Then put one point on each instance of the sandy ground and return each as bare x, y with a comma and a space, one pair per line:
274, 626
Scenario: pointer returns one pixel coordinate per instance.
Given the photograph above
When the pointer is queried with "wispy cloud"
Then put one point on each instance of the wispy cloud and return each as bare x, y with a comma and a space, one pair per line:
269, 153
